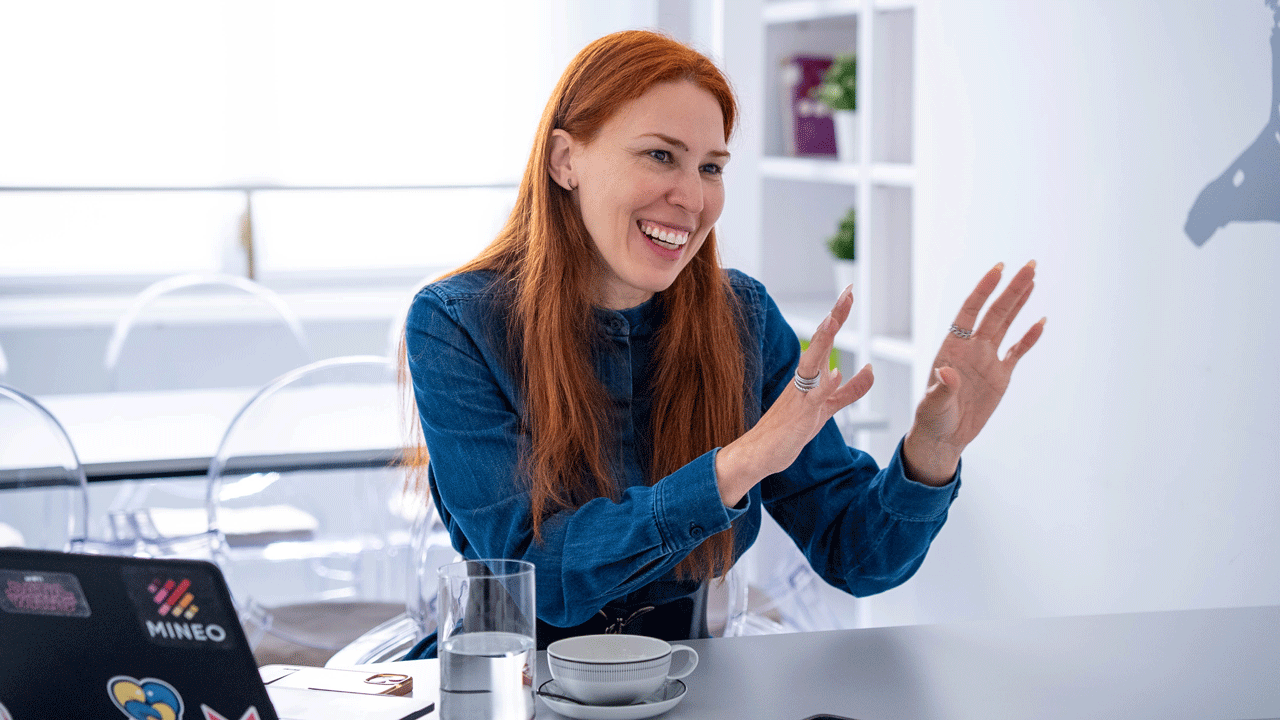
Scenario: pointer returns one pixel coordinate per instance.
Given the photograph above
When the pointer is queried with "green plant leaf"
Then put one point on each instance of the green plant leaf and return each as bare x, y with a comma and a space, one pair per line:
839, 87
844, 244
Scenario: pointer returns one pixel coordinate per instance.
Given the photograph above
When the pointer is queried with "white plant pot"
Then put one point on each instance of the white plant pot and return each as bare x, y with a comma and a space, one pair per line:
846, 274
846, 122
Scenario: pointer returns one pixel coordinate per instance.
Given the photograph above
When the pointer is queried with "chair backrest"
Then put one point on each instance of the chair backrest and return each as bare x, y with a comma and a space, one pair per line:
432, 548
44, 500
772, 589
395, 331
306, 499
163, 343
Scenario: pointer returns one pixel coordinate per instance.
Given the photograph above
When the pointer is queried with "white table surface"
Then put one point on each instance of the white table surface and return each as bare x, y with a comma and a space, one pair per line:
1219, 664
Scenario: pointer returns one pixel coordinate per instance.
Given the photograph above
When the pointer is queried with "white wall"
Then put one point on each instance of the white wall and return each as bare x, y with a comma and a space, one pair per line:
1135, 462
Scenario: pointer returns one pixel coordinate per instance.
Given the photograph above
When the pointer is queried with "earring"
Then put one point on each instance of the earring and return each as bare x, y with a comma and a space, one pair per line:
572, 186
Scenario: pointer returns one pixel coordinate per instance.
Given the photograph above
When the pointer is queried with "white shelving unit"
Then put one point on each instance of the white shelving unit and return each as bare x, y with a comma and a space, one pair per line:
802, 199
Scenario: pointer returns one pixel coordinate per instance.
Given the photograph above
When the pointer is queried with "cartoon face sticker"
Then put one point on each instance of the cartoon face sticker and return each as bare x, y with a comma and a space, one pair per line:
145, 699
211, 714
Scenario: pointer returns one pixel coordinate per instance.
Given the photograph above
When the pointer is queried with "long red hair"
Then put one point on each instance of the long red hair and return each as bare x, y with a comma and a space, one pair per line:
551, 268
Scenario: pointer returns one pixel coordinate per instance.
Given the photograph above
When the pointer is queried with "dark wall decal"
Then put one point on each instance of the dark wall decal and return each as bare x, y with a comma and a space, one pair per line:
1249, 189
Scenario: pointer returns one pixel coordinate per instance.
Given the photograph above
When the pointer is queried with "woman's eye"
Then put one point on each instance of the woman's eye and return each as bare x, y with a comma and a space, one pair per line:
712, 169
663, 156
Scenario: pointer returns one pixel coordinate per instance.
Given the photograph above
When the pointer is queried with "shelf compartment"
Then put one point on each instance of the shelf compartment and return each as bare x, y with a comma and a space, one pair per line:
784, 41
795, 225
891, 260
893, 86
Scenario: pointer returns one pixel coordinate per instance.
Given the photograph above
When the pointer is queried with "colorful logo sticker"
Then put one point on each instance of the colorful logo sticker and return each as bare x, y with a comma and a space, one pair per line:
211, 714
172, 598
33, 592
145, 699
179, 609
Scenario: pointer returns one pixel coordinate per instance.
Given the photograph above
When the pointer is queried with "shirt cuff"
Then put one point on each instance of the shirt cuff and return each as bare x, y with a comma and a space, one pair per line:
688, 505
910, 500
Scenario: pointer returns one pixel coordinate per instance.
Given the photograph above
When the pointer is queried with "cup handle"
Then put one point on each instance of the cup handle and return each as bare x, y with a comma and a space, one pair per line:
689, 665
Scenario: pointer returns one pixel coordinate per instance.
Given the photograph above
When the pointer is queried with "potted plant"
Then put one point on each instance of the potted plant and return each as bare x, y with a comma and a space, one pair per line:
839, 91
844, 249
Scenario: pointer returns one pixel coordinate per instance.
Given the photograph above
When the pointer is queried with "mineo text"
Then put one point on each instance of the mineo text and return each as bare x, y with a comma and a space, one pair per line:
186, 631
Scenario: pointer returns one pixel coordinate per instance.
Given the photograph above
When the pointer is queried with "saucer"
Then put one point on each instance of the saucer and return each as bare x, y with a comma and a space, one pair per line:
662, 700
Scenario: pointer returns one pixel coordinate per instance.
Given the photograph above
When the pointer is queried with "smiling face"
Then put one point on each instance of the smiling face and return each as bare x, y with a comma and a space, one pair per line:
649, 187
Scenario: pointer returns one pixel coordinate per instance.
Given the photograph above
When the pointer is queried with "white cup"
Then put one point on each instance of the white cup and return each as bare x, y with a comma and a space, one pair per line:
615, 669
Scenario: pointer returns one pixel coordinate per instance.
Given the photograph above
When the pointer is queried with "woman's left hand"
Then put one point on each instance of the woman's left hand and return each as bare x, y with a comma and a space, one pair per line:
968, 378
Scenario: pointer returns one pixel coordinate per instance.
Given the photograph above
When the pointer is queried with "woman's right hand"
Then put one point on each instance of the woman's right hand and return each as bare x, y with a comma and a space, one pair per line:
796, 417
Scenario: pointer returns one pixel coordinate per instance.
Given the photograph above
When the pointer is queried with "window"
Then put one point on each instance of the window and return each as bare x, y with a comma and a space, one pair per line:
159, 114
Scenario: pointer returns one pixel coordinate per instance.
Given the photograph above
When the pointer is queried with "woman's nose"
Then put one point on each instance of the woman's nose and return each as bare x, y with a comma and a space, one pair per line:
687, 192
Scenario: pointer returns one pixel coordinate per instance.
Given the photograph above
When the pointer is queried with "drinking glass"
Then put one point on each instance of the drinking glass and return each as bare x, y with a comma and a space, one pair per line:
487, 638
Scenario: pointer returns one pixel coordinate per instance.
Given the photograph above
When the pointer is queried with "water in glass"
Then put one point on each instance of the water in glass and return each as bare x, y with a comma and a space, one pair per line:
487, 675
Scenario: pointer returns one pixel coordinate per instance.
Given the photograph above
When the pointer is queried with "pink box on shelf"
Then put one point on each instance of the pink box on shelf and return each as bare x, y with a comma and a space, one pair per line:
808, 130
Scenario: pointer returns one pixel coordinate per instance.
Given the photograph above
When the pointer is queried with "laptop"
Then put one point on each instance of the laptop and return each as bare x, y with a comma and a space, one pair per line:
111, 637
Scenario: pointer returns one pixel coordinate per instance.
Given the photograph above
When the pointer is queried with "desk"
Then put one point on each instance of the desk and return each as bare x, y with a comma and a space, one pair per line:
1222, 664
140, 435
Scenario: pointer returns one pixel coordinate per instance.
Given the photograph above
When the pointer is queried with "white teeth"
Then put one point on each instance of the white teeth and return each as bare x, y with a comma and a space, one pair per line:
666, 237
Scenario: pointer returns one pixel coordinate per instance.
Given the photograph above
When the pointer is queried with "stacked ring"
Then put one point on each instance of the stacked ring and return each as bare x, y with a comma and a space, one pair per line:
804, 384
961, 332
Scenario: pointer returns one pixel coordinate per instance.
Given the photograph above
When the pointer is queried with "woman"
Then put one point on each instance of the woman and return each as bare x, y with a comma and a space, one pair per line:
602, 399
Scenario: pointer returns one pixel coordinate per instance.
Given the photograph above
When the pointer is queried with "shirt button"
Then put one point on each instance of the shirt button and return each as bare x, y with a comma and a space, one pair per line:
695, 530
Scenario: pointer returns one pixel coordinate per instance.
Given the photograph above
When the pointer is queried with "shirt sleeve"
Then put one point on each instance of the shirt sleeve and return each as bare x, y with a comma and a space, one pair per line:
863, 528
468, 407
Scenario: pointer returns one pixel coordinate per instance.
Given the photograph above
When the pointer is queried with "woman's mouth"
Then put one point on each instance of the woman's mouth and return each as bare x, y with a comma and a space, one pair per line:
664, 237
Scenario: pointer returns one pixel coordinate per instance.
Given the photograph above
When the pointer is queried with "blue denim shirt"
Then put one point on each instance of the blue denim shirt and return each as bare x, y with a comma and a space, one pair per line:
864, 529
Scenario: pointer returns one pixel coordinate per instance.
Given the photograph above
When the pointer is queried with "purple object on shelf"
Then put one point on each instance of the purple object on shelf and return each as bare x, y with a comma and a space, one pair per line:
811, 131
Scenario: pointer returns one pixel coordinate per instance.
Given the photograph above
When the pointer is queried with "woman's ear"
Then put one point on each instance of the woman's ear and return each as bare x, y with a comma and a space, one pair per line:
561, 160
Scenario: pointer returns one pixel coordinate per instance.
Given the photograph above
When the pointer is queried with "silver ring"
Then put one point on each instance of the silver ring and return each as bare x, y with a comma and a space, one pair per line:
961, 332
804, 385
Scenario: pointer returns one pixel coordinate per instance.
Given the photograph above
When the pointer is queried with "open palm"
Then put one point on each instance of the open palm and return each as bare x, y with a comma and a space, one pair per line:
968, 378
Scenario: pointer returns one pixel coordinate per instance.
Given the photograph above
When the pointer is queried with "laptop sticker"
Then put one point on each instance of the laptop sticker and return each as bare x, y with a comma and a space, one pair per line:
145, 699
178, 610
33, 592
211, 714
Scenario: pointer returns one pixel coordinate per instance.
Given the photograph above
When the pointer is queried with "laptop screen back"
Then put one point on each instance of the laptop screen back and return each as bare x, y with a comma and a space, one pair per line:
97, 636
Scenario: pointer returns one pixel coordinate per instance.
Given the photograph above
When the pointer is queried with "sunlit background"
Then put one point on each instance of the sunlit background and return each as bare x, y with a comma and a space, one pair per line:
431, 103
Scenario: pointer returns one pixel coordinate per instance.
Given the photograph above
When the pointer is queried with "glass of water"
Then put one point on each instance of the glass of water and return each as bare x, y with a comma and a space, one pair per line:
488, 634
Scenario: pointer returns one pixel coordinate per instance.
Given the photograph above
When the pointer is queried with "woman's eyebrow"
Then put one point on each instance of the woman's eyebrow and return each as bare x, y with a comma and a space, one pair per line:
672, 141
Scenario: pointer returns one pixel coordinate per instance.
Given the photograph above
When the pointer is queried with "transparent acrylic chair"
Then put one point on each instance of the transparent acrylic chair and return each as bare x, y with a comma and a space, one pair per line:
167, 340
773, 589
44, 500
171, 338
392, 639
395, 331
312, 532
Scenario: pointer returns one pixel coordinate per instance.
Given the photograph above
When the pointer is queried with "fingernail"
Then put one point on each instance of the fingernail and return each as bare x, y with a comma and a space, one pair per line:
848, 290
999, 267
938, 374
1032, 264
1043, 320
